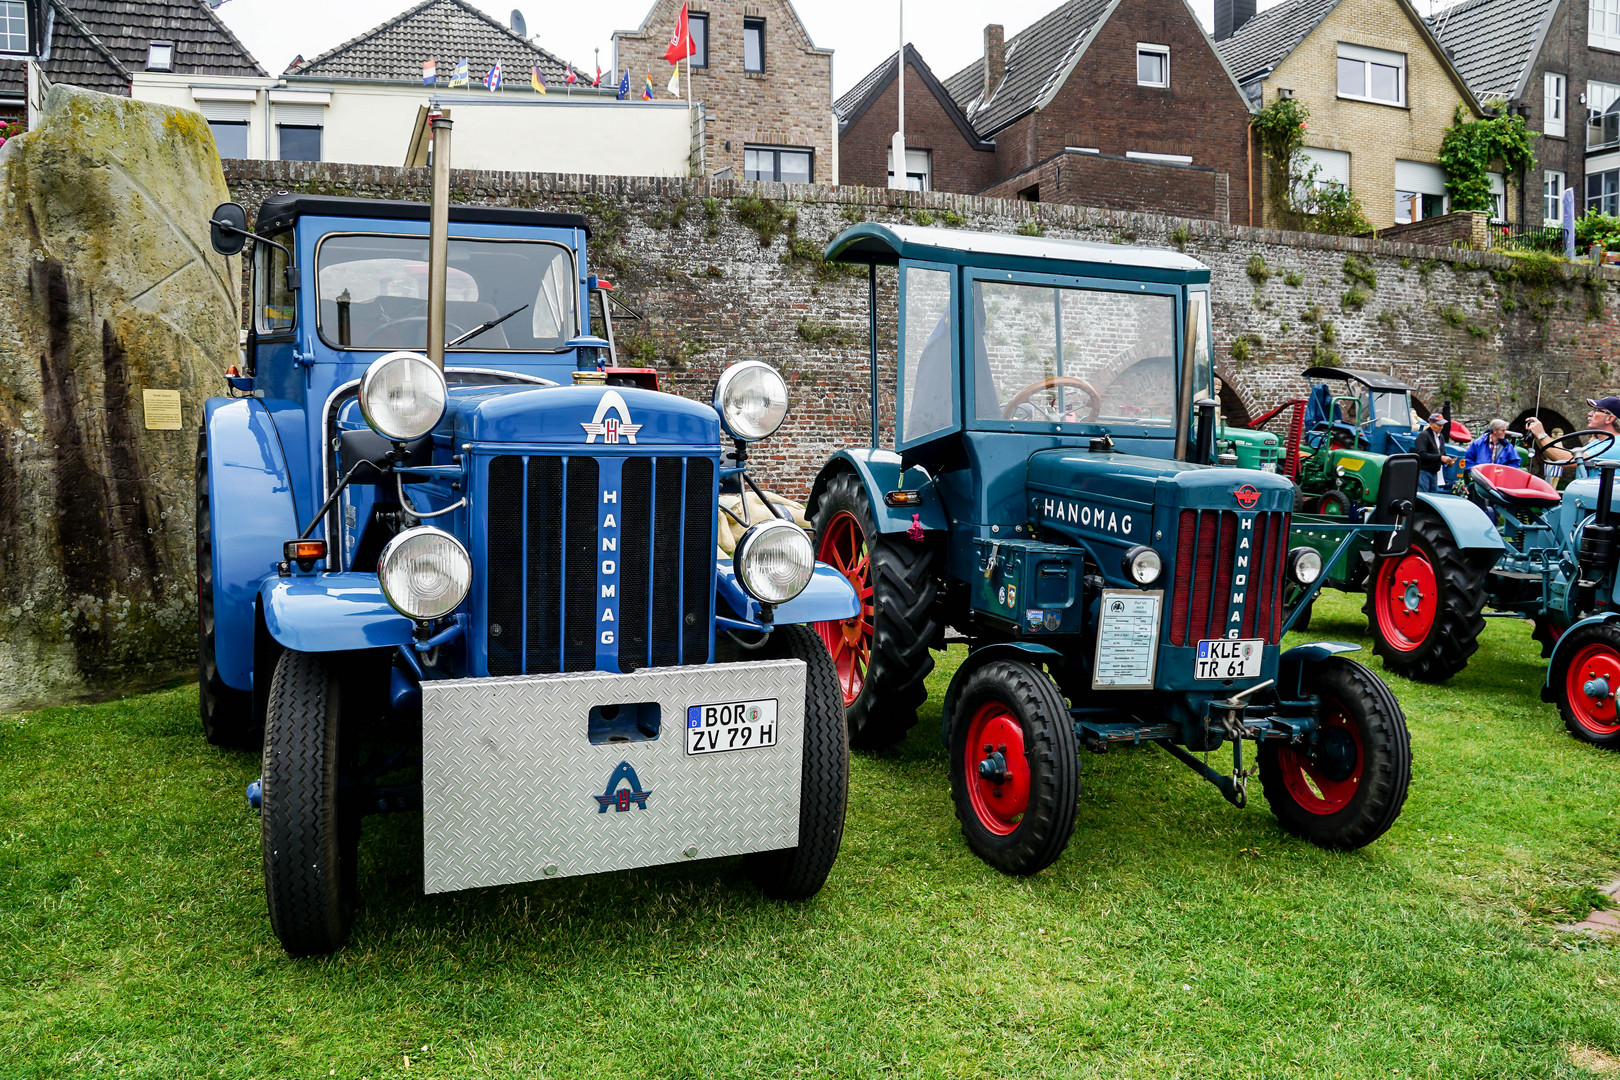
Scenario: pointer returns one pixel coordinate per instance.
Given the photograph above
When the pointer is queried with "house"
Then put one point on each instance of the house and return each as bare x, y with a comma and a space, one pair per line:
1380, 90
1115, 103
1553, 62
765, 87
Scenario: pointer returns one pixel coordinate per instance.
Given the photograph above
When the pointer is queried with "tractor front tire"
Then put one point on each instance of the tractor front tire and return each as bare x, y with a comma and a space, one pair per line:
227, 713
1015, 767
1347, 787
310, 834
1584, 680
798, 873
1424, 607
881, 655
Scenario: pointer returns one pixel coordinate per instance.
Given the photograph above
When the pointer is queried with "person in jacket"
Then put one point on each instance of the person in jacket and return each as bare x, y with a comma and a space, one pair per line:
1430, 449
1492, 448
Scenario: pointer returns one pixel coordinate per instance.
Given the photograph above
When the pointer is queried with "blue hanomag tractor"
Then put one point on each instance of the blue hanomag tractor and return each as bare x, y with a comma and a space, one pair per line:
1047, 504
488, 588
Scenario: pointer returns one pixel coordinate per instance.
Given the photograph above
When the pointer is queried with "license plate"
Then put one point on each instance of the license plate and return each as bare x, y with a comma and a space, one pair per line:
1229, 658
730, 725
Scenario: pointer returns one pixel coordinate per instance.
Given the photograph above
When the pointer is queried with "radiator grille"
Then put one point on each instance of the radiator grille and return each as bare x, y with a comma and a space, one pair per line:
1207, 544
541, 570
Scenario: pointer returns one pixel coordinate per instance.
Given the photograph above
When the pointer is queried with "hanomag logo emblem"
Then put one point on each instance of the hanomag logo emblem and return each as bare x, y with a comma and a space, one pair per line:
1247, 496
611, 428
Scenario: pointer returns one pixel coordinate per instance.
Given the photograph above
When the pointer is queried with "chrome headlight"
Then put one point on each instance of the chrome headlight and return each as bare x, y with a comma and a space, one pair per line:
774, 561
1143, 565
402, 395
752, 400
1304, 565
425, 572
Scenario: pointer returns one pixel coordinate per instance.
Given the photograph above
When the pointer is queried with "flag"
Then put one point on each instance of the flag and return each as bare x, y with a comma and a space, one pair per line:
681, 45
460, 77
675, 81
598, 81
430, 72
624, 86
571, 79
535, 81
492, 79
647, 91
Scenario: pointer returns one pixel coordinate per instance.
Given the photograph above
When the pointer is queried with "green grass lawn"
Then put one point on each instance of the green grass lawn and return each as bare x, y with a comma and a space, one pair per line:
1176, 937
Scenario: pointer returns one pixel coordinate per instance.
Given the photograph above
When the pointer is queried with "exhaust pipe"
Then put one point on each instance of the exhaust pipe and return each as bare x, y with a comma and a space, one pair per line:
438, 238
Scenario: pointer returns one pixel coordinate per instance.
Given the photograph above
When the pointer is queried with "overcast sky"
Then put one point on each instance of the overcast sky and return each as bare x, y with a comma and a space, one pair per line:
862, 33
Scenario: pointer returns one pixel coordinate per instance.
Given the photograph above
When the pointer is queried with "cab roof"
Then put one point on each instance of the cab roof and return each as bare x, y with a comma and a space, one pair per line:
886, 245
1372, 380
281, 211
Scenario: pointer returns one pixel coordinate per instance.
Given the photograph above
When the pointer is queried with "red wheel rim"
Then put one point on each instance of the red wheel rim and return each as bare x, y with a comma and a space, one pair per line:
843, 547
996, 737
1312, 784
1592, 705
1407, 600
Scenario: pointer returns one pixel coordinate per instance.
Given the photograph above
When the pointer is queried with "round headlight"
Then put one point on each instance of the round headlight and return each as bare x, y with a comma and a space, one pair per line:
1304, 565
774, 561
1143, 565
425, 572
752, 400
402, 395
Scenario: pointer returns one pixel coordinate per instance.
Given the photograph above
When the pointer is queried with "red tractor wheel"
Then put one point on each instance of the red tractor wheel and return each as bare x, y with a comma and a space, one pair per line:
995, 769
1585, 679
1324, 782
1406, 600
843, 547
1424, 606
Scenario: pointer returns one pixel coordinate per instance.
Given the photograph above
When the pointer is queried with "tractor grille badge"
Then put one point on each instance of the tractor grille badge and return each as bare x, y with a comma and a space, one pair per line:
622, 798
1247, 496
611, 429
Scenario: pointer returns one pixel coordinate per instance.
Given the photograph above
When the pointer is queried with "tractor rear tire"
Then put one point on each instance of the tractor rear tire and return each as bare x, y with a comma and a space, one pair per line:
798, 873
1424, 607
882, 655
310, 833
1586, 655
1349, 790
1020, 818
227, 713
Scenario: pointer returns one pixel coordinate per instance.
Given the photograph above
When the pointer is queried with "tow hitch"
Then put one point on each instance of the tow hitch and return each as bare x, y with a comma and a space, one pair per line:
1227, 717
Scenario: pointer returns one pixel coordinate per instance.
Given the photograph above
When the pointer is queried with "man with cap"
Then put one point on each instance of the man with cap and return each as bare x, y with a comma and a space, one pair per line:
1430, 449
1601, 418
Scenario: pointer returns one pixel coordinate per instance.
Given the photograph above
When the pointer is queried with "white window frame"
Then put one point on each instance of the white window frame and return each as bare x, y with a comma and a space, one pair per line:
1603, 24
1150, 49
1415, 180
27, 45
1367, 58
1553, 183
152, 63
919, 169
1554, 86
1599, 97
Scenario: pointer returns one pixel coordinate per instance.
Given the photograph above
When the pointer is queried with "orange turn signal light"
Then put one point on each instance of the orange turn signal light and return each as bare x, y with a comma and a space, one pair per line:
903, 498
304, 550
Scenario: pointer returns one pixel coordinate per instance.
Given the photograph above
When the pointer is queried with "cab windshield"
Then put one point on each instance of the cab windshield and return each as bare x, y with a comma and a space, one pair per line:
1062, 355
373, 293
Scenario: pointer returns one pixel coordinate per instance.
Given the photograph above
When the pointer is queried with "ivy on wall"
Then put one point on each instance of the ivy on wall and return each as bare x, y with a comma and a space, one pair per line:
1297, 196
1469, 149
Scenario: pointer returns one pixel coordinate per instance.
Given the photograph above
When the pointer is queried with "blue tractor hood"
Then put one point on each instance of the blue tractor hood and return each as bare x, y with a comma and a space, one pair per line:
1128, 482
620, 416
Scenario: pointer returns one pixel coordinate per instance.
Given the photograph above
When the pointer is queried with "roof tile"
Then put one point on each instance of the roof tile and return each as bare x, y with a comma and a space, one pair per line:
442, 30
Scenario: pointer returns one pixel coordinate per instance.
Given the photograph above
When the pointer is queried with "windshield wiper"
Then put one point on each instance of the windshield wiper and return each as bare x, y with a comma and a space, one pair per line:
480, 328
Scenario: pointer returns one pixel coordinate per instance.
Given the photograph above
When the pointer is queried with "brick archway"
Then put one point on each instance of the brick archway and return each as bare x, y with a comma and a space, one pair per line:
1233, 404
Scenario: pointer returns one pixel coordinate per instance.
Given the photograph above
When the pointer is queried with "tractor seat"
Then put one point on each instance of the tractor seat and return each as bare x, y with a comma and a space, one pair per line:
1514, 488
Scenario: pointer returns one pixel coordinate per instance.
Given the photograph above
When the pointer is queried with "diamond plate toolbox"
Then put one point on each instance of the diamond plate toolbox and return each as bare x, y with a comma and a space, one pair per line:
514, 790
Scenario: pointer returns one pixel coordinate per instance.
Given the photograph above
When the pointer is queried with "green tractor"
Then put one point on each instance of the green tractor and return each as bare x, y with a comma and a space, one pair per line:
1424, 607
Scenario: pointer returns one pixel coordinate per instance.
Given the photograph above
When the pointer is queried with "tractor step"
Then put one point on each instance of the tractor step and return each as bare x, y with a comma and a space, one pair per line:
1098, 737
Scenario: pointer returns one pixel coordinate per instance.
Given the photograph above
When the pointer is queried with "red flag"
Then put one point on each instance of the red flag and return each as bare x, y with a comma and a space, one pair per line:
598, 80
571, 78
680, 42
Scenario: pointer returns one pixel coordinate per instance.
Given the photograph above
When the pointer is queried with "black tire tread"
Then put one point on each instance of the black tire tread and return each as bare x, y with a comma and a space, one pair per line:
227, 713
1609, 634
1457, 626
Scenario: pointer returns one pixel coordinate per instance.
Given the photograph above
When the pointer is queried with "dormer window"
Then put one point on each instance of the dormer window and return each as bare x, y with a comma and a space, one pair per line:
160, 56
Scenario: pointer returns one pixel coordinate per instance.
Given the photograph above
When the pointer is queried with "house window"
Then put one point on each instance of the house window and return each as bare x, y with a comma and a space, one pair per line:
1603, 192
13, 27
1373, 74
1552, 197
698, 26
1498, 198
1326, 169
754, 44
1165, 159
160, 56
772, 163
1420, 191
1602, 114
1552, 107
919, 173
1603, 24
299, 143
1152, 65
231, 137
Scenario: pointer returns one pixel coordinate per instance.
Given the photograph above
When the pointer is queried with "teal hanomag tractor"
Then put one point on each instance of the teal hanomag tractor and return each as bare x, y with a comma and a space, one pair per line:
1045, 502
1424, 605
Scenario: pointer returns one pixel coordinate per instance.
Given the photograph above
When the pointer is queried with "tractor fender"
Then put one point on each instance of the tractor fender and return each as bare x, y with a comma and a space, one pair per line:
251, 514
880, 474
321, 613
1291, 664
1026, 651
828, 598
1558, 649
1469, 526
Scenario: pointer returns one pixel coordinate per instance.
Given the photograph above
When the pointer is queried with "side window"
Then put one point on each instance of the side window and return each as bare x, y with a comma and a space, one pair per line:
1203, 359
928, 384
277, 304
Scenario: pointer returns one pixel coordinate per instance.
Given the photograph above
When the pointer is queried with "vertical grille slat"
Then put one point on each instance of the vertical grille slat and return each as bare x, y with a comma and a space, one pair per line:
1186, 534
636, 581
1225, 557
505, 565
579, 560
666, 602
543, 595
697, 561
1206, 558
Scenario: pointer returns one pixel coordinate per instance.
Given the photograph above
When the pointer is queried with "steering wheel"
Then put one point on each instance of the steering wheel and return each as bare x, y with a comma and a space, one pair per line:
1049, 383
1575, 451
451, 332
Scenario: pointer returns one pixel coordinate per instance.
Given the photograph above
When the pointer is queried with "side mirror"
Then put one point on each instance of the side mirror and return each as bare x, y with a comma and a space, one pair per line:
228, 228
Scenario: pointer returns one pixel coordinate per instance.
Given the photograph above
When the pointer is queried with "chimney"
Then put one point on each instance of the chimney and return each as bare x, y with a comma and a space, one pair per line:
995, 58
1230, 15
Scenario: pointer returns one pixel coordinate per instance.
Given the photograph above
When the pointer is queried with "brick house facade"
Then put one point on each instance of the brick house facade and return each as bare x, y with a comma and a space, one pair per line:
959, 160
782, 110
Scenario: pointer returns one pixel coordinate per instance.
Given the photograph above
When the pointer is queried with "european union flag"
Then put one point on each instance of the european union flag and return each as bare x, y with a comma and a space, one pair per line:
624, 86
694, 716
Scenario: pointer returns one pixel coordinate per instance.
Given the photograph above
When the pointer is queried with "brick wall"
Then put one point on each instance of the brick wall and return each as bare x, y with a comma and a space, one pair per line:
957, 162
1466, 228
1118, 183
714, 294
789, 104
